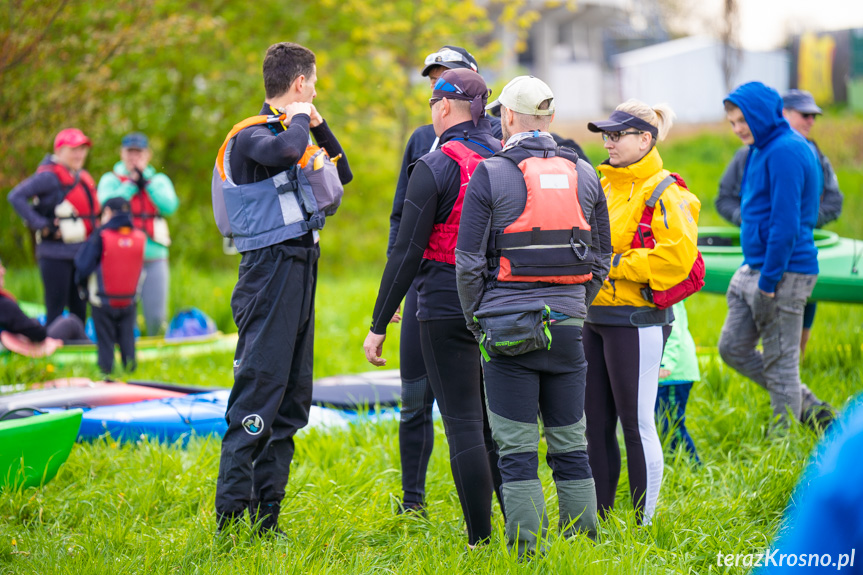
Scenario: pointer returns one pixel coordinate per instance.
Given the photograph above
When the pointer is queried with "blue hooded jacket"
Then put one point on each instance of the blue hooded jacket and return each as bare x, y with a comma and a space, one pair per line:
780, 191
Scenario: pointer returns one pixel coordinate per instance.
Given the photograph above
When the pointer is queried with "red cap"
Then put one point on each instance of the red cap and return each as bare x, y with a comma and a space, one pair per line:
72, 137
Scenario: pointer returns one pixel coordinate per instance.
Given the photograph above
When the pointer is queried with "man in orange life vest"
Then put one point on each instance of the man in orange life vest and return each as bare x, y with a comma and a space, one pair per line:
424, 248
108, 269
59, 204
534, 247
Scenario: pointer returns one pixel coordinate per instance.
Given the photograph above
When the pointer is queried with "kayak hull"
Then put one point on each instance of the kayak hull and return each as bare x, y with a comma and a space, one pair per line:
33, 449
840, 278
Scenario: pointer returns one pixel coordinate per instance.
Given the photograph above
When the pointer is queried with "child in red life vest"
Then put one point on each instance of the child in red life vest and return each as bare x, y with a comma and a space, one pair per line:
108, 269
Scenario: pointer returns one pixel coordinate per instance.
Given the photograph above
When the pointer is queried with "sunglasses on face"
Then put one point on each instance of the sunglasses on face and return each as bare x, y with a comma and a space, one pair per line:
808, 116
433, 101
615, 136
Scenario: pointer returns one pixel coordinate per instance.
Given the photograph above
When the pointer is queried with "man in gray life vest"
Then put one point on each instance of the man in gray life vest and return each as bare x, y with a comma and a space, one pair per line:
533, 250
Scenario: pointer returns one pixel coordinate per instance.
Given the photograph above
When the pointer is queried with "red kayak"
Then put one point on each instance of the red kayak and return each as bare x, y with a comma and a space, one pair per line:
80, 394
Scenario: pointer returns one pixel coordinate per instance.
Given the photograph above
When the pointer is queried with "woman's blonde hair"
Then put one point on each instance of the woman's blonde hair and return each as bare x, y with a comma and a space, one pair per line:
661, 115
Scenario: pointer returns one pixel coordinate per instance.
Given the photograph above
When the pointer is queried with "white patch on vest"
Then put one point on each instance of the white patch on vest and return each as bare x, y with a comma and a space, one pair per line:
290, 208
554, 181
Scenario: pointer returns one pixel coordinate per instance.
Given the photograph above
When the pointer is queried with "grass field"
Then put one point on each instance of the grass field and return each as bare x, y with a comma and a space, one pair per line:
148, 508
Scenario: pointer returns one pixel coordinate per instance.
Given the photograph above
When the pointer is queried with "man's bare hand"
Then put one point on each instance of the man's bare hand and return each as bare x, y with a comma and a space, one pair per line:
374, 348
397, 317
295, 108
316, 118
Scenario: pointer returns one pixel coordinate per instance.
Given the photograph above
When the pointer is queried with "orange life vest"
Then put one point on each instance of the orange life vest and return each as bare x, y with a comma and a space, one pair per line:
550, 241
444, 237
80, 192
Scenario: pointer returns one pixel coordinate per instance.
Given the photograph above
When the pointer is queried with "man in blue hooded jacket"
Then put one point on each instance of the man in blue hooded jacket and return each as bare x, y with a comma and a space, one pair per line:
778, 211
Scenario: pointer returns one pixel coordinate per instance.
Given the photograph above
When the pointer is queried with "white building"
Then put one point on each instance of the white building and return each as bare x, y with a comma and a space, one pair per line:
688, 74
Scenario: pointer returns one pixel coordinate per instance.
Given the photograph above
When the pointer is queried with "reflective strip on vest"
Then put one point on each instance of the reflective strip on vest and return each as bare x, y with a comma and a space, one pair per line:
550, 241
262, 213
444, 237
121, 265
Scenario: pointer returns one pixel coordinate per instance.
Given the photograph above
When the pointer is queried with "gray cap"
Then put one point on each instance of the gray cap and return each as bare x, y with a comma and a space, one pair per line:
800, 101
135, 140
524, 94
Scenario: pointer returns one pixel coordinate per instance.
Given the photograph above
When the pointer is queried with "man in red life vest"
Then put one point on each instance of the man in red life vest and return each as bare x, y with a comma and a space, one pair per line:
533, 250
425, 249
108, 268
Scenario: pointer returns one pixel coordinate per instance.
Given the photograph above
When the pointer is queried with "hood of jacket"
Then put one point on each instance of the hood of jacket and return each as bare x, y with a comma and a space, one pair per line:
762, 108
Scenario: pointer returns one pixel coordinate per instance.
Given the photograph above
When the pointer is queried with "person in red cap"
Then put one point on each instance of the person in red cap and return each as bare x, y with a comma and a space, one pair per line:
60, 205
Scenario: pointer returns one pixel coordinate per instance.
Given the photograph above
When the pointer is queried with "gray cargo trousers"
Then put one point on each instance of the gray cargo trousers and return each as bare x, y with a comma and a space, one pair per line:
777, 321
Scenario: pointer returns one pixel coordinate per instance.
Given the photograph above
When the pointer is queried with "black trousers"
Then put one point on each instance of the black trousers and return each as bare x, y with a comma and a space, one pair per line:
274, 309
416, 429
115, 325
58, 279
452, 360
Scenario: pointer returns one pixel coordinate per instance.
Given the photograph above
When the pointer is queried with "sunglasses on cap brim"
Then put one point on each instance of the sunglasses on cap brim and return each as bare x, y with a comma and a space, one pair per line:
447, 56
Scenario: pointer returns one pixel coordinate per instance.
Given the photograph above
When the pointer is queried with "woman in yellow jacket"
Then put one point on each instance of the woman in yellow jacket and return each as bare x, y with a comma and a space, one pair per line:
624, 333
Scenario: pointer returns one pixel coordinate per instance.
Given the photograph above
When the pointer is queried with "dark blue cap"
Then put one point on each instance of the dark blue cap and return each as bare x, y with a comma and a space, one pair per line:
117, 204
135, 140
800, 101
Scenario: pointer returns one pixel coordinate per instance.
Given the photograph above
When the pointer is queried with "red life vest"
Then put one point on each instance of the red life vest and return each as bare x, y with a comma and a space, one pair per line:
144, 211
444, 237
80, 192
644, 238
550, 241
121, 265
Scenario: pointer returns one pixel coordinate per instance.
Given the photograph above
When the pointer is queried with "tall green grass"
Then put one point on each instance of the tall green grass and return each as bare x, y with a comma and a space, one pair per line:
148, 508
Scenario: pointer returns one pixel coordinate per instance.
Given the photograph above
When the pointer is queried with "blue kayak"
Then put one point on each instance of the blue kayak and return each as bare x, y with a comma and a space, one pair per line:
203, 414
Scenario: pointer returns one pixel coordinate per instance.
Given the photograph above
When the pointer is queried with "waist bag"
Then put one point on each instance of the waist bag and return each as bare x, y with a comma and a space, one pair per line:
514, 330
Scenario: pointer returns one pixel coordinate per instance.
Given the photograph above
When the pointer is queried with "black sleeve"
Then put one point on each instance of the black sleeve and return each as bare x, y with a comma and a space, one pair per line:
831, 198
281, 150
16, 321
87, 258
325, 139
418, 218
728, 199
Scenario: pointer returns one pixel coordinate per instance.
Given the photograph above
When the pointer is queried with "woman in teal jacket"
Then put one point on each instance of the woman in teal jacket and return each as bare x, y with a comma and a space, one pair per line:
153, 198
677, 372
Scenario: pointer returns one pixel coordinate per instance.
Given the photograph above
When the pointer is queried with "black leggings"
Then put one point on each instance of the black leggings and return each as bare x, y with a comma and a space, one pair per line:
416, 429
58, 279
453, 362
622, 381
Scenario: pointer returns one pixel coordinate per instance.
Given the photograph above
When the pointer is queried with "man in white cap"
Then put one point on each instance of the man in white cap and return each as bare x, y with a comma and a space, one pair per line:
533, 250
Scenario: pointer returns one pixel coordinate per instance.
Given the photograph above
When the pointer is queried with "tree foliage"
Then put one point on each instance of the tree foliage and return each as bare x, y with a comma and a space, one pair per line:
185, 71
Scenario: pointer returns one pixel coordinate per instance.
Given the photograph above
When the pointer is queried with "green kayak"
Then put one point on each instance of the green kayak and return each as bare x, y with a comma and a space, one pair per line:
839, 259
33, 449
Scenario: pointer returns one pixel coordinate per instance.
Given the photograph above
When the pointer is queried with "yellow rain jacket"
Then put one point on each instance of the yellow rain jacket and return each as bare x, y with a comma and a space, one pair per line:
675, 229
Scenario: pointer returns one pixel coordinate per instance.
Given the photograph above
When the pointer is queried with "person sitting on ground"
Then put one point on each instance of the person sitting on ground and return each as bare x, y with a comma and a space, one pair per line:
108, 270
800, 109
67, 328
152, 197
677, 372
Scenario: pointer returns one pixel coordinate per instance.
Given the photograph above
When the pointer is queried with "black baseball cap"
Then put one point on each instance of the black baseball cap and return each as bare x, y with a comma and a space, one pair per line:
450, 57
